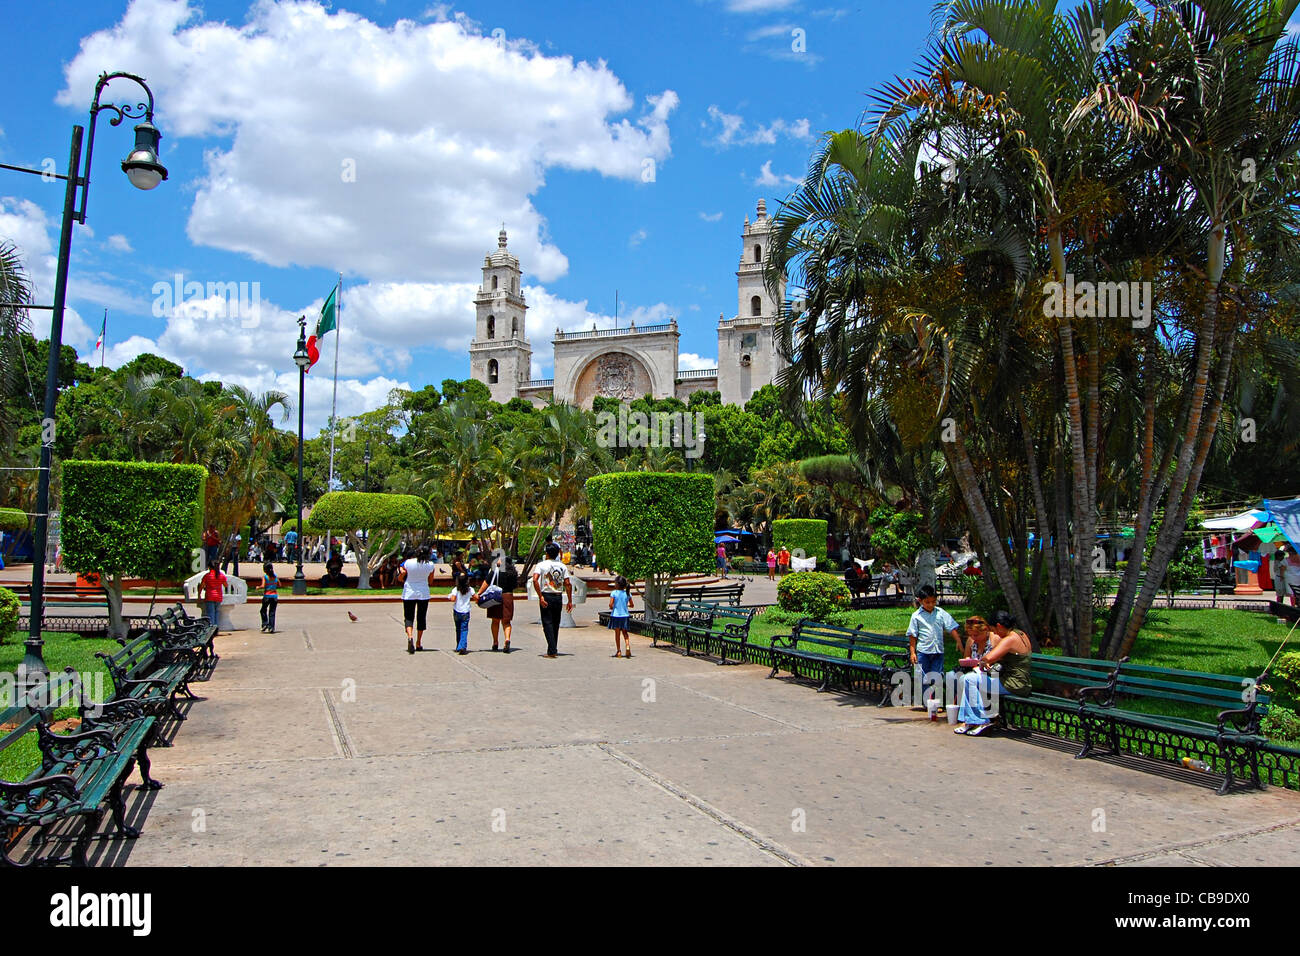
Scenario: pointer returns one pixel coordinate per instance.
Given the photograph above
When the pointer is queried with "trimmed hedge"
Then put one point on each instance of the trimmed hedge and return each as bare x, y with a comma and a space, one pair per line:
349, 511
128, 518
652, 525
132, 519
527, 533
796, 533
9, 609
11, 519
813, 594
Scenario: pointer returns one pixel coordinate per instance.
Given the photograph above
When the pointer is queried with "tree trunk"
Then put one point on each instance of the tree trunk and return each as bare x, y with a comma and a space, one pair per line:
111, 584
964, 472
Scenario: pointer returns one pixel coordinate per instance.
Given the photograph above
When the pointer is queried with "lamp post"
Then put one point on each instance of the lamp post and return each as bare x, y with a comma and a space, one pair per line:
366, 460
302, 360
144, 171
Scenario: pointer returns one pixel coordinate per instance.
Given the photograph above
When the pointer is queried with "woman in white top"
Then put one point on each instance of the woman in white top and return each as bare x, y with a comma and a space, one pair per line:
415, 576
464, 600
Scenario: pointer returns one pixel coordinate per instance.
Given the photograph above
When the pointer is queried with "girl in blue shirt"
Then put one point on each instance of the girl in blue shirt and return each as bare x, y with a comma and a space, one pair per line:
620, 602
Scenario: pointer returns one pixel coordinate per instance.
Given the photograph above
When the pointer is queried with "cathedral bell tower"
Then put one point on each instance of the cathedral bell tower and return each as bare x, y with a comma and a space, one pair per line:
747, 356
500, 355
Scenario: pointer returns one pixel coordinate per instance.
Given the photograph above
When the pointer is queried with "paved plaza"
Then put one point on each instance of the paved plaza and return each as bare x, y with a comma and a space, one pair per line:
328, 744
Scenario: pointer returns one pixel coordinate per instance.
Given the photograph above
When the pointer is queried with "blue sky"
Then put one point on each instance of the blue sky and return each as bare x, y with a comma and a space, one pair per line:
621, 143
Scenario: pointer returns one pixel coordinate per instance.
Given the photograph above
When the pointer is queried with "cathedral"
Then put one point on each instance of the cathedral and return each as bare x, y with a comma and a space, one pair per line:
625, 363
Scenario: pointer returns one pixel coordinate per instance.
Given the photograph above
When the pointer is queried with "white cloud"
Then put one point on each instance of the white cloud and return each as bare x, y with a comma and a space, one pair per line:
23, 223
637, 238
689, 362
388, 163
758, 6
711, 216
118, 243
733, 130
768, 178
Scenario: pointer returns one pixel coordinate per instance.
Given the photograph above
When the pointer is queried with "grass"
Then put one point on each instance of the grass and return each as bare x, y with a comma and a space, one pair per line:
60, 651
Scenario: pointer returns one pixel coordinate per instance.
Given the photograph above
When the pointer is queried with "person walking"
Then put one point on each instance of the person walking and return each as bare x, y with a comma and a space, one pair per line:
463, 597
270, 597
211, 544
415, 576
925, 635
213, 588
505, 576
722, 560
771, 565
783, 560
620, 602
550, 581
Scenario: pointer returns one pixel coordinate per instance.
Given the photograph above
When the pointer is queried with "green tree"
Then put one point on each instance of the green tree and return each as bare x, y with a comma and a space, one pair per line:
372, 523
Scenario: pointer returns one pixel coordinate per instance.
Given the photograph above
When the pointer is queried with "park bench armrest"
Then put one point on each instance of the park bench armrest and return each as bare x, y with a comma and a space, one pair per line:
1108, 689
111, 712
904, 659
62, 783
1243, 718
789, 640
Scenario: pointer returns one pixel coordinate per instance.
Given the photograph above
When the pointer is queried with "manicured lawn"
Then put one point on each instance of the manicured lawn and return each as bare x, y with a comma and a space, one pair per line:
60, 651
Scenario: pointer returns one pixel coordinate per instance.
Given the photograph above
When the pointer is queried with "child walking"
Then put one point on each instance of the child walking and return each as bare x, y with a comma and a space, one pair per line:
464, 596
270, 597
620, 602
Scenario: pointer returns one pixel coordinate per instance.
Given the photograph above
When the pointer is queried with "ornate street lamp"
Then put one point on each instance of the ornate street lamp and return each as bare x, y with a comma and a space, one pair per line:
144, 171
302, 360
366, 460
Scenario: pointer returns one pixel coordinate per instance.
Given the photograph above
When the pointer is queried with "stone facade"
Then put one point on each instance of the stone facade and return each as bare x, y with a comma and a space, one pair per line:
632, 362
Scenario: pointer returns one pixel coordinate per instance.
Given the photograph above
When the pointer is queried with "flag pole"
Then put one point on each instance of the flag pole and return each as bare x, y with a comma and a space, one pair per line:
334, 404
103, 344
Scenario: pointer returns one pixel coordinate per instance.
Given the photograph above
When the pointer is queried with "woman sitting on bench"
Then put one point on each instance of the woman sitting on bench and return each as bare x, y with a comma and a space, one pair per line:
1010, 656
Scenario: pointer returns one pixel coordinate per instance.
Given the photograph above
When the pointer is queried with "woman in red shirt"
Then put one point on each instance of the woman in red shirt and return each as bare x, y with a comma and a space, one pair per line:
212, 587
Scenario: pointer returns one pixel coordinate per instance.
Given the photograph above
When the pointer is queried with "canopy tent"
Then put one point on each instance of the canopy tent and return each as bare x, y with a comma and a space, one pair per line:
1246, 521
1286, 515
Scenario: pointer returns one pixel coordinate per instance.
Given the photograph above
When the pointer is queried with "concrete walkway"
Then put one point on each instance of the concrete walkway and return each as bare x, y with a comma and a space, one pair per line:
328, 744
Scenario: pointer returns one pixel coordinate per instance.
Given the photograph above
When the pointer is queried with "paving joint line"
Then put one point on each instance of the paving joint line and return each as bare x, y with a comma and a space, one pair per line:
306, 639
1177, 848
771, 847
740, 707
339, 733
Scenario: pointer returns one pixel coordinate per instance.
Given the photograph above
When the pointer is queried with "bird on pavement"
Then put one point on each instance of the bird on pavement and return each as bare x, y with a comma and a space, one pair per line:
351, 616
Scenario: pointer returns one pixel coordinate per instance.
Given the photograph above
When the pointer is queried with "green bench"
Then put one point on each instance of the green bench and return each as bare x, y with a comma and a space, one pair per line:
707, 593
841, 655
142, 673
177, 632
717, 628
81, 775
1225, 712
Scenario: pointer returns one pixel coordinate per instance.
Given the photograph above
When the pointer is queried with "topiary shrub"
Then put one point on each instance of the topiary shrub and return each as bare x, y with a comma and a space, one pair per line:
1281, 724
653, 526
13, 519
813, 594
131, 519
9, 608
806, 535
384, 517
528, 534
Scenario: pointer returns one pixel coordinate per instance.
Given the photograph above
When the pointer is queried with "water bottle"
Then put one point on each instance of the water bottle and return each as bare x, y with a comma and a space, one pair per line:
1191, 763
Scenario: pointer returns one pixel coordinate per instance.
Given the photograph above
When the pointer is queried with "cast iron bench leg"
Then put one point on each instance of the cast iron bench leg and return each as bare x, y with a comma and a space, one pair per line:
118, 803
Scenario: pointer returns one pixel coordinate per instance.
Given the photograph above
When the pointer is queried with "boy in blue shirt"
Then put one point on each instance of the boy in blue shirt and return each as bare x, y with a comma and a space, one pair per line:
620, 602
925, 633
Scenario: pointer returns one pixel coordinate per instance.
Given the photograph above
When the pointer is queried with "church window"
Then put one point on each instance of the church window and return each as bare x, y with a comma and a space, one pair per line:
492, 326
494, 283
492, 371
514, 286
756, 306
514, 327
758, 253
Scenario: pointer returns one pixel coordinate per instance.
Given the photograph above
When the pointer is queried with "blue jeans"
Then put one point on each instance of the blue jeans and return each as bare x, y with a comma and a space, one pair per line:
931, 673
212, 610
462, 629
976, 686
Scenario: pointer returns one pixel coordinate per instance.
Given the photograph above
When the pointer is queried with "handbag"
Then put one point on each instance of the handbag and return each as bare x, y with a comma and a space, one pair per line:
492, 594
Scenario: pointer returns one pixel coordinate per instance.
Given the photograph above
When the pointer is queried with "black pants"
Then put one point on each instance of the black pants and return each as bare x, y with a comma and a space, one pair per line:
268, 611
415, 612
551, 620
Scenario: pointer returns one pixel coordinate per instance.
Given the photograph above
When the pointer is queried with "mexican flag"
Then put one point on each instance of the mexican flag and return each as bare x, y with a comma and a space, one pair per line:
327, 322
